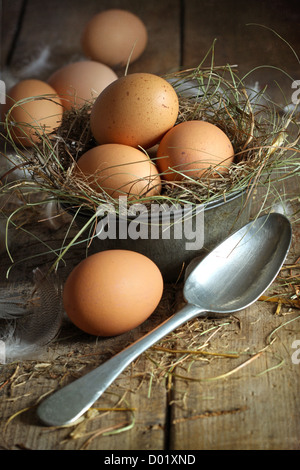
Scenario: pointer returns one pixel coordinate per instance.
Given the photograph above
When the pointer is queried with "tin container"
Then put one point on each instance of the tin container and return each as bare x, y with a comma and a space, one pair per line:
171, 237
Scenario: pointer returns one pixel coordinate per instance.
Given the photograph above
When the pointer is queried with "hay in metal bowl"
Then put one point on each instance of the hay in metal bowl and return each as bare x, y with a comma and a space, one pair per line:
265, 141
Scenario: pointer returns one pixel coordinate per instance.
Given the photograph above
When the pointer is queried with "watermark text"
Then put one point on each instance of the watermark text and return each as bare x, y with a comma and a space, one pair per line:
156, 221
296, 354
296, 94
2, 92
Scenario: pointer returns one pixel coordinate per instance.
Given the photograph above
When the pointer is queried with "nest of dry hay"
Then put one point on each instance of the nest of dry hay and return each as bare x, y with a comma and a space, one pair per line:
264, 138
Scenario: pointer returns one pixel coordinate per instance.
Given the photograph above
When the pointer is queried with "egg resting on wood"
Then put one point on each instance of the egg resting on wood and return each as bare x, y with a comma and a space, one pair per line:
112, 292
114, 37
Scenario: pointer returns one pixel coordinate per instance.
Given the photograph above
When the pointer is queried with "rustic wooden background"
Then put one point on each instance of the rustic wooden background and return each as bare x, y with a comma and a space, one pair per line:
243, 391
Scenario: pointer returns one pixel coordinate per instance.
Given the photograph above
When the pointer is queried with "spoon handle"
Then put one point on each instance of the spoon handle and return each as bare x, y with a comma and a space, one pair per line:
70, 402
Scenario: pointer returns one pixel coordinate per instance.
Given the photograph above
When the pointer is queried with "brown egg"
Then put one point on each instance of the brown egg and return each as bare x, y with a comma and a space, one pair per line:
81, 82
119, 170
191, 148
38, 111
113, 37
112, 292
136, 110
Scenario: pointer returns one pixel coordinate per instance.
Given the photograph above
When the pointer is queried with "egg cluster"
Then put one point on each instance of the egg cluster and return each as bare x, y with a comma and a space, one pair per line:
129, 115
135, 113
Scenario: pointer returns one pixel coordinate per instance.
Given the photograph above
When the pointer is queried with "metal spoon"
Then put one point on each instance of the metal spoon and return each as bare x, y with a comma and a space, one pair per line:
228, 279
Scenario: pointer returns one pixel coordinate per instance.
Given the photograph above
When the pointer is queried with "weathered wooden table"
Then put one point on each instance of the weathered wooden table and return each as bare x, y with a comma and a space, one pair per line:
242, 390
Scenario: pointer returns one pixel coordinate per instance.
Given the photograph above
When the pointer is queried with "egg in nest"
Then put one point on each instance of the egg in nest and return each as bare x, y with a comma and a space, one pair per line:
33, 110
119, 170
81, 82
136, 110
193, 149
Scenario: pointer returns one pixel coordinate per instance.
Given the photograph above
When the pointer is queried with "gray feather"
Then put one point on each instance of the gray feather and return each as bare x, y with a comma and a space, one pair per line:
27, 335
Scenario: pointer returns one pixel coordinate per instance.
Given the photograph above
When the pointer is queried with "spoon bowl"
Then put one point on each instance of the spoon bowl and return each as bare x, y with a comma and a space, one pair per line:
234, 274
228, 279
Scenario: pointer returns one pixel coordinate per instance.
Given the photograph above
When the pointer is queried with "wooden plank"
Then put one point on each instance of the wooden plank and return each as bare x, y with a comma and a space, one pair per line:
247, 410
57, 25
123, 405
242, 403
11, 15
239, 41
55, 28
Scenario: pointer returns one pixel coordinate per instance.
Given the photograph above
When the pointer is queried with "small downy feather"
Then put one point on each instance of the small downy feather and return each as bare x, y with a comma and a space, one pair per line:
35, 67
283, 207
29, 329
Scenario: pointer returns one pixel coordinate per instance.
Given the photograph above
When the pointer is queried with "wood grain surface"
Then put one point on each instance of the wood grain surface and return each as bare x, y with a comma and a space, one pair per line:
242, 391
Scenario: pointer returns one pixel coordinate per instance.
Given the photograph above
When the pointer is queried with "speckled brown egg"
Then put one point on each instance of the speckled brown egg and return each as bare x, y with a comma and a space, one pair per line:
119, 170
81, 82
114, 37
112, 292
192, 148
33, 109
136, 110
